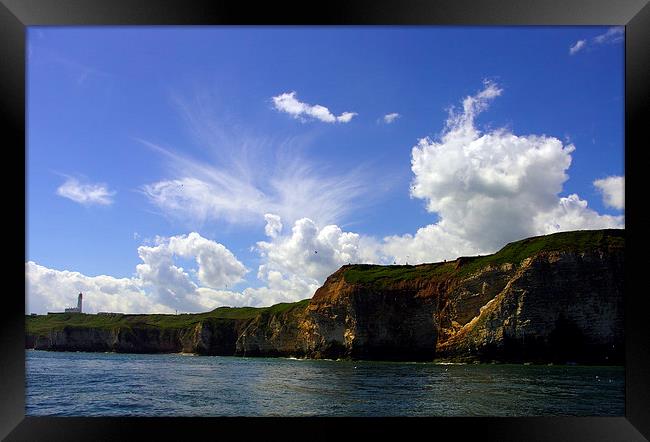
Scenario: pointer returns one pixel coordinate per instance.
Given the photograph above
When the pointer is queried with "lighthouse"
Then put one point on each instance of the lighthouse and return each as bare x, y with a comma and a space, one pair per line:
76, 309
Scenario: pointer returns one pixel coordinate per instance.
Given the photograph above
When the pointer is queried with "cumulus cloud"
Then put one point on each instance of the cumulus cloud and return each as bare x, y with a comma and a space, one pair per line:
572, 213
310, 251
489, 188
85, 194
485, 188
389, 118
49, 290
279, 288
296, 264
158, 285
289, 104
613, 191
273, 225
614, 34
431, 243
218, 268
577, 46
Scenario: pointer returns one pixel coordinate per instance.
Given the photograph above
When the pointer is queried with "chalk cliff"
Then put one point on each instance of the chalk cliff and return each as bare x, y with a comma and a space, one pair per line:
551, 298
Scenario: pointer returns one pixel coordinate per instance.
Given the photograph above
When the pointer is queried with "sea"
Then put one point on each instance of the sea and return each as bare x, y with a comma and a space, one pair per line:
113, 384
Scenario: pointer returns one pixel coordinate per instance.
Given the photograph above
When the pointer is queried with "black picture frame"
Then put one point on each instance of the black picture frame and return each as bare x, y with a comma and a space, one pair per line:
16, 15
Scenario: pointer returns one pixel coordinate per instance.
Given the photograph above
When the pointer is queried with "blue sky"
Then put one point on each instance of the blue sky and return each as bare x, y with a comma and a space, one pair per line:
140, 135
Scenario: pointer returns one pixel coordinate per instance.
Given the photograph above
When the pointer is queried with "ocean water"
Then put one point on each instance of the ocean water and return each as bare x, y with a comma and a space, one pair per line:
110, 384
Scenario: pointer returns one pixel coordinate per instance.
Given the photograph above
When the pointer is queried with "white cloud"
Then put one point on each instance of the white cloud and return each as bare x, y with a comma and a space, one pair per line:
244, 192
214, 196
489, 189
389, 118
49, 290
85, 194
613, 191
580, 44
346, 117
273, 225
158, 285
296, 264
239, 177
310, 251
279, 288
614, 34
289, 104
486, 189
218, 268
431, 243
572, 213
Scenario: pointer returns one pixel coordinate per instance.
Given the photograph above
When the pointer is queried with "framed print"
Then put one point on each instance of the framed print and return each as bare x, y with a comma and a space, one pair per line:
246, 219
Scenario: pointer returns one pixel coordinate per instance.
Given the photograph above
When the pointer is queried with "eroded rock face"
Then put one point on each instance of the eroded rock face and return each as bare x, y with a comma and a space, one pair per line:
76, 339
395, 322
212, 337
208, 337
559, 306
541, 299
272, 335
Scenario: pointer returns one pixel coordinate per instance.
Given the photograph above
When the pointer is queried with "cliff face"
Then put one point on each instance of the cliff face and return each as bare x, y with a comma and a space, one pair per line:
391, 322
272, 334
553, 298
209, 337
556, 306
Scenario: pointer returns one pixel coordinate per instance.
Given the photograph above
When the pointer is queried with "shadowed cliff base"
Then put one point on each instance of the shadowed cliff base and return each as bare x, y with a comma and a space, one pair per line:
555, 298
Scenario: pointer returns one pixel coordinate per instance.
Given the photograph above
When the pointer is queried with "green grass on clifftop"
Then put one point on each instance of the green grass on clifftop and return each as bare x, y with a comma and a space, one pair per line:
367, 273
514, 253
576, 241
42, 324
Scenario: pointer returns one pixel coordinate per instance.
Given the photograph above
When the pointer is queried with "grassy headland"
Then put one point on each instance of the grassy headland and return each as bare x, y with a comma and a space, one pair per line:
42, 324
513, 253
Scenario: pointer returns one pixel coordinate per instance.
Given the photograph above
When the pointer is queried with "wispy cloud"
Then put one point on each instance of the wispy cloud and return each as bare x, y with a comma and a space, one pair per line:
614, 34
238, 177
389, 118
487, 189
87, 194
244, 193
575, 48
289, 104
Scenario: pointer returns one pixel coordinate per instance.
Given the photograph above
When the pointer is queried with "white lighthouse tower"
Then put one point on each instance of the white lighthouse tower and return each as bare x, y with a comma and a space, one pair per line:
76, 309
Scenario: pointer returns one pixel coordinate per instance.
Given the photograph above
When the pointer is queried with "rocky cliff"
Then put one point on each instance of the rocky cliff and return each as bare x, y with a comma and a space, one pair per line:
552, 298
224, 331
205, 337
